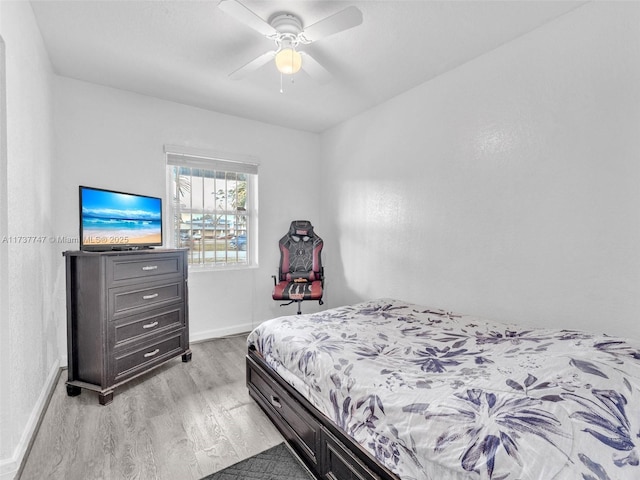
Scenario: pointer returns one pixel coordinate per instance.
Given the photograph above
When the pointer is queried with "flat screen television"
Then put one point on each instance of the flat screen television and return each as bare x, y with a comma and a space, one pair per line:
111, 220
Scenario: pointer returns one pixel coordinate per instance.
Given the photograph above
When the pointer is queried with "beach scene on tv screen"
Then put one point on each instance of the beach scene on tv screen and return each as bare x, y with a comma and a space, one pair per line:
111, 218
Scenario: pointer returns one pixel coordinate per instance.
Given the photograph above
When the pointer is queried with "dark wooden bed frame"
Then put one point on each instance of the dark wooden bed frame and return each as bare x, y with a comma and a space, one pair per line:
325, 449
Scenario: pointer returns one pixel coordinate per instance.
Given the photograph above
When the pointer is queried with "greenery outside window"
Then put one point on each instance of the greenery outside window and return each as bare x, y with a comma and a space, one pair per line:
212, 208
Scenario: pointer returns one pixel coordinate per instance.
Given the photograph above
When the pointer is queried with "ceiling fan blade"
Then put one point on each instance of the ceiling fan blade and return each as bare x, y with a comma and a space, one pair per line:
314, 69
252, 66
246, 16
343, 20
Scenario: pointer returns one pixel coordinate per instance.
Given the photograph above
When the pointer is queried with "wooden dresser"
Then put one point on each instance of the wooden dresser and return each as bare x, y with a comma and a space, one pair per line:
127, 312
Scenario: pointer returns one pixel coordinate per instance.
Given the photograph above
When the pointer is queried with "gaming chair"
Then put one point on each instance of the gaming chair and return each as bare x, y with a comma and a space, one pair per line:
300, 273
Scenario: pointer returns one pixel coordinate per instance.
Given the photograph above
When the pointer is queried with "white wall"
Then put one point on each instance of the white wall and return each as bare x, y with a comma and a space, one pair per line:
29, 351
114, 139
506, 188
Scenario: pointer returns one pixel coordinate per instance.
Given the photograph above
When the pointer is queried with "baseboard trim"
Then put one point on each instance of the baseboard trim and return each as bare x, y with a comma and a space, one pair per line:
11, 468
220, 332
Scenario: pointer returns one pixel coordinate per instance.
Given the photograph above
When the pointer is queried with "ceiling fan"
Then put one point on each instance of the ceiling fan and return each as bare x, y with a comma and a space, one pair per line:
288, 33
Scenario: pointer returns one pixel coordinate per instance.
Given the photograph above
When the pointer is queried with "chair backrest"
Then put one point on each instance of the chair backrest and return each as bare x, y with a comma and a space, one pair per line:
300, 253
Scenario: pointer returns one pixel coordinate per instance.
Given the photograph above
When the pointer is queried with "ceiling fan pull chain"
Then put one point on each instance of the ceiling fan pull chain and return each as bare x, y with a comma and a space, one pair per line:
281, 89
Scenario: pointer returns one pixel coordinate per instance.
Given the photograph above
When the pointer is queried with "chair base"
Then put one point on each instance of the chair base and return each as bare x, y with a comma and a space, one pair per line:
299, 302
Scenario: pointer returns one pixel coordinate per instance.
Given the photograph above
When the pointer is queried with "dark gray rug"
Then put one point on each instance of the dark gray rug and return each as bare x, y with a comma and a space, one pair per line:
277, 463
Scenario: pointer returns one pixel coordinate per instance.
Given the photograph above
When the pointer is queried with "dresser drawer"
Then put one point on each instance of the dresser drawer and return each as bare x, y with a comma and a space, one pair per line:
140, 358
147, 324
126, 300
141, 268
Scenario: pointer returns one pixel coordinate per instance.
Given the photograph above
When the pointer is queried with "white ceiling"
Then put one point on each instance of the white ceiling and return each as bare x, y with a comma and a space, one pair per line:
183, 51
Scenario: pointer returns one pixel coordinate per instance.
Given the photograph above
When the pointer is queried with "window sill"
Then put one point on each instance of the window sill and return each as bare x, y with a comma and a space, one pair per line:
198, 269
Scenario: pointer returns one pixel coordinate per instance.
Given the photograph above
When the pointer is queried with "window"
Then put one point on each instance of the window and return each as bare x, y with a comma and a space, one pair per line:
212, 205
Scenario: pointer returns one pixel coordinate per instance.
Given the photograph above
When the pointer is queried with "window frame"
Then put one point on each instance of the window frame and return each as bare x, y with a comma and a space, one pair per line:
214, 162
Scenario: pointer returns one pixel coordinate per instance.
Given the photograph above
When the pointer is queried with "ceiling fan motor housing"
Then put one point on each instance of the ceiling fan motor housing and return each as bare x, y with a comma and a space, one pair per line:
286, 23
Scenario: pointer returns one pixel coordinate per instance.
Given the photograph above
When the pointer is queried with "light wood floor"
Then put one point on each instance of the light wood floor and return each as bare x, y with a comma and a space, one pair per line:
182, 421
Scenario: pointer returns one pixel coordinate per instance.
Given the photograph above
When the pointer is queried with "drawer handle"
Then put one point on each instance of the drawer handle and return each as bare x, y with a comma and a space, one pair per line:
149, 297
151, 354
275, 401
150, 325
146, 268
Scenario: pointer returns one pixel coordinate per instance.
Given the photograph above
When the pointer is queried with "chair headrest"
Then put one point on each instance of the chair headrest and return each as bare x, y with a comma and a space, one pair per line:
301, 228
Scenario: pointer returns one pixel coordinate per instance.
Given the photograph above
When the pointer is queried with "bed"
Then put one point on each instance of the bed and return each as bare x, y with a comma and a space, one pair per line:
392, 390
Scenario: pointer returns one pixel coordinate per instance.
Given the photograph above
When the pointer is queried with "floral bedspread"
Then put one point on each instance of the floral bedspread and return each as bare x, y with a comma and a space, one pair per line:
438, 396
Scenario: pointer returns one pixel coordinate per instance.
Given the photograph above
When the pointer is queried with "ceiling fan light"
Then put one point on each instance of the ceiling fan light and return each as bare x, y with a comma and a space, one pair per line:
288, 61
